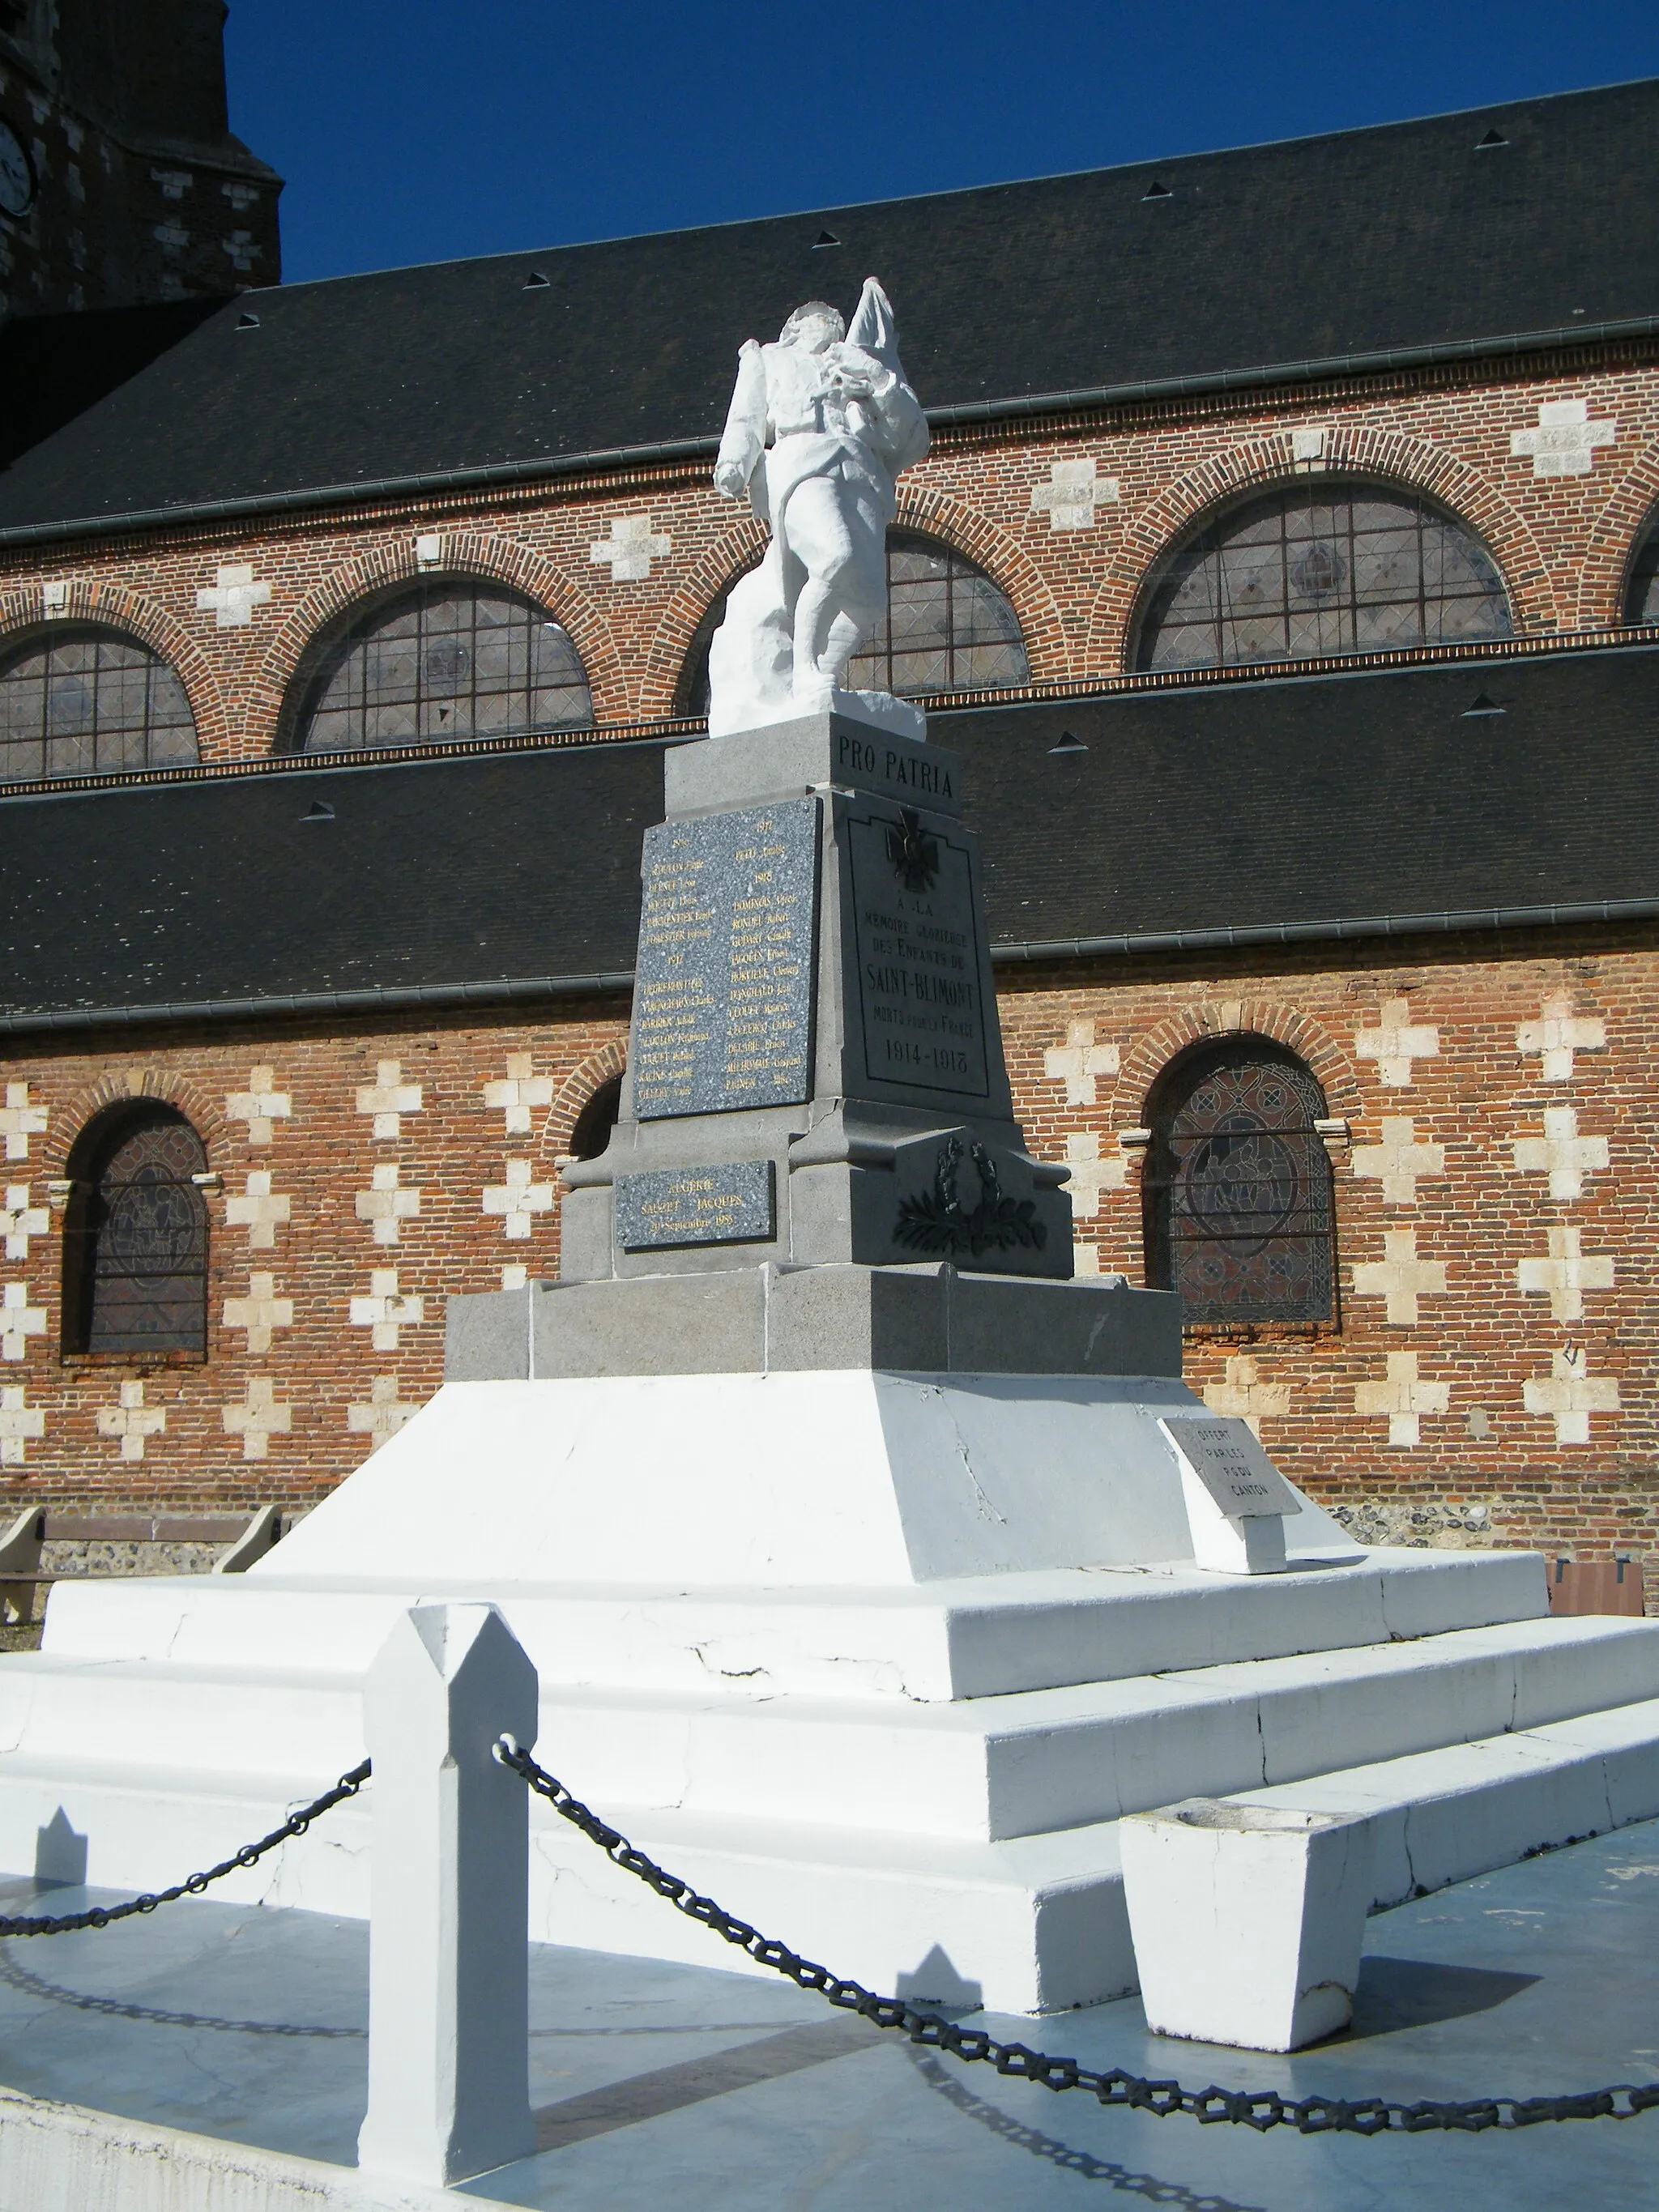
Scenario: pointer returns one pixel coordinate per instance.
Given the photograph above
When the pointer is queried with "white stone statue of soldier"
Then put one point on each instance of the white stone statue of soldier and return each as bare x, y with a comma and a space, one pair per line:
820, 425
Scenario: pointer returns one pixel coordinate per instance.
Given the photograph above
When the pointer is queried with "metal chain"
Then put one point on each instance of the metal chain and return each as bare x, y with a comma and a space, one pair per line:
101, 1916
1259, 2109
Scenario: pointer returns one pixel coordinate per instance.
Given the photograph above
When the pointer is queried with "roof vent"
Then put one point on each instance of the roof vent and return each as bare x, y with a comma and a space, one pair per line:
318, 811
825, 238
246, 322
1069, 743
535, 282
1483, 704
1494, 138
1156, 190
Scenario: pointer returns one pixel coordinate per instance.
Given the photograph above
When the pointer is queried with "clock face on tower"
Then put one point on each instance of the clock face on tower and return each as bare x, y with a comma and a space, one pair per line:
16, 174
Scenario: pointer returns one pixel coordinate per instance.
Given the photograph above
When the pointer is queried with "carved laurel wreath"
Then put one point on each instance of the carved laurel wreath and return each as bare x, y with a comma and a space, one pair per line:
937, 1220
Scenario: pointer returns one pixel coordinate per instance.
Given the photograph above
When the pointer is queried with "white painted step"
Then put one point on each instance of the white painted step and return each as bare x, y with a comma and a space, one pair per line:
250, 1719
976, 1637
994, 1768
1033, 1925
986, 1769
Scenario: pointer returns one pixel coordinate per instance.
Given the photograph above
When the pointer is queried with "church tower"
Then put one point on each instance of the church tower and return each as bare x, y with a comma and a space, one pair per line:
120, 180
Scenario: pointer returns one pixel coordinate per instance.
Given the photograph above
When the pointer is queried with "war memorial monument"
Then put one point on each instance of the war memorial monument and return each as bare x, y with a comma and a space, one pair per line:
873, 1569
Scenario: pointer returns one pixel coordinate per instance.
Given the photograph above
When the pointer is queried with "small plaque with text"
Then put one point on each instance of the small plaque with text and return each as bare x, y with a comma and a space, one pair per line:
723, 1005
661, 1207
1228, 1460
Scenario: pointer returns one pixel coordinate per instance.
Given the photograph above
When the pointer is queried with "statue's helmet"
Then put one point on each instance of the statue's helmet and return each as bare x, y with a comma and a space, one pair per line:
814, 311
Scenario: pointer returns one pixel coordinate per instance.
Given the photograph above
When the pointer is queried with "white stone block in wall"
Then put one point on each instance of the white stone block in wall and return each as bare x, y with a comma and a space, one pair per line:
132, 1420
20, 1424
1248, 1920
19, 1321
387, 1099
1074, 491
1245, 1392
20, 1121
631, 548
20, 1222
1397, 1042
1565, 442
233, 596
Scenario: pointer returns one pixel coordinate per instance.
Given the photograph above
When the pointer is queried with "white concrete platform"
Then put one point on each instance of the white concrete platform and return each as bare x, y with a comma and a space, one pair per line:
212, 2058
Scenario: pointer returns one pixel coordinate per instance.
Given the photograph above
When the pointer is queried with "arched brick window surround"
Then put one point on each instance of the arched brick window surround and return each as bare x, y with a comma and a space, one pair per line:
162, 1309
1264, 464
573, 1093
23, 621
67, 1126
1618, 535
1206, 1021
472, 556
1238, 1209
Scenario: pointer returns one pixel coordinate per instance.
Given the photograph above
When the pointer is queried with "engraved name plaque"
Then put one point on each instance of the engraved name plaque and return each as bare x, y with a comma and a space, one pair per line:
1229, 1460
664, 1206
723, 1005
917, 936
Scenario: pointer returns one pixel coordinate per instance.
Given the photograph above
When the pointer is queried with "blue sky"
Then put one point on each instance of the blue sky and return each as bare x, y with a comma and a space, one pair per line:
418, 130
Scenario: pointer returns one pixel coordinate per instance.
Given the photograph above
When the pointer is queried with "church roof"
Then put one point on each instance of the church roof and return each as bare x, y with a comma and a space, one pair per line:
1483, 795
1537, 220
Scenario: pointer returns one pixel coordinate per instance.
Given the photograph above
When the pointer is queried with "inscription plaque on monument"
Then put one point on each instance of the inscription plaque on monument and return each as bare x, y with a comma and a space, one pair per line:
723, 1005
1227, 1458
917, 930
661, 1206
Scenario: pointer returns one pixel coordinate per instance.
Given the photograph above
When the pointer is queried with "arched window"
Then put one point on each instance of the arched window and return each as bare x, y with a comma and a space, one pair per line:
1642, 594
1237, 1187
948, 628
596, 1119
85, 702
136, 1241
1306, 572
448, 661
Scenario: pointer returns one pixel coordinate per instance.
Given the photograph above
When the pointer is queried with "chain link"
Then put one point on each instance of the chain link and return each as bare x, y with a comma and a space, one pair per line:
101, 1916
1259, 2109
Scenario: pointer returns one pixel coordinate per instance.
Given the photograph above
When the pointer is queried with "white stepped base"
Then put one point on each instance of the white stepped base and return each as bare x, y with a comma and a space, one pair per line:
979, 1770
1036, 1924
973, 1637
941, 1657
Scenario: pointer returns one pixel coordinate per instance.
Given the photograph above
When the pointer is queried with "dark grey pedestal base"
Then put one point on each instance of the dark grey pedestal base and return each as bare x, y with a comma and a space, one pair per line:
930, 1319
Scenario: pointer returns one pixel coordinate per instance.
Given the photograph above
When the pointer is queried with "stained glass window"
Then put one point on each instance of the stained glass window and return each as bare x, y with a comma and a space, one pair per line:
1304, 573
137, 1247
1642, 598
948, 628
446, 661
1237, 1188
85, 702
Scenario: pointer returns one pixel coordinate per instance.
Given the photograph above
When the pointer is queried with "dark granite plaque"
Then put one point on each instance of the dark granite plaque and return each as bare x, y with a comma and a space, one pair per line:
665, 1207
917, 930
723, 1004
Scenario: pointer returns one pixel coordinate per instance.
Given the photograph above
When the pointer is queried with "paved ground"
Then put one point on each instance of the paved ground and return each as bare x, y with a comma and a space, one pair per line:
719, 2092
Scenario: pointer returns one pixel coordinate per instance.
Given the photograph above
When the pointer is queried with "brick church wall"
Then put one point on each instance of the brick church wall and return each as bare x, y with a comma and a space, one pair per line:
1563, 543
1493, 1374
362, 1177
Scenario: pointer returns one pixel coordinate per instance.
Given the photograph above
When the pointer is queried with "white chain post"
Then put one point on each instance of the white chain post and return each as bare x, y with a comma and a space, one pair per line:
448, 2011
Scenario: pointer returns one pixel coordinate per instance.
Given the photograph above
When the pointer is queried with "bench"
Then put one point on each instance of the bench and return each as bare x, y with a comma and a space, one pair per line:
20, 1576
